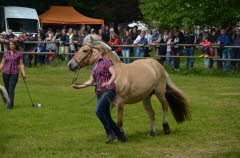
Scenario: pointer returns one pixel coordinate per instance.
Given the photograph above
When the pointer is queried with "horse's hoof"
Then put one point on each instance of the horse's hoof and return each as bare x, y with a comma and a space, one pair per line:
166, 128
153, 133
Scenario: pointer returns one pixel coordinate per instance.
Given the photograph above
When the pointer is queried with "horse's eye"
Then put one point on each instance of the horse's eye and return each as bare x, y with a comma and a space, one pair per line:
85, 51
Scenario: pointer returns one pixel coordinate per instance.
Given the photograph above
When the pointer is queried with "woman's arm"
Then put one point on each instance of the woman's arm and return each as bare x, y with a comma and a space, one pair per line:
84, 85
2, 64
112, 79
21, 65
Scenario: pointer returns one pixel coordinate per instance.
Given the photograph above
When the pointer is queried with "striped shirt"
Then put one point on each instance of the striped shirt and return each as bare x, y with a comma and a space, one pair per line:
101, 74
12, 62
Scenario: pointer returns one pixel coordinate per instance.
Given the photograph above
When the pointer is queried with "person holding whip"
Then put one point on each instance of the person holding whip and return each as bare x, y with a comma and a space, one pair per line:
11, 63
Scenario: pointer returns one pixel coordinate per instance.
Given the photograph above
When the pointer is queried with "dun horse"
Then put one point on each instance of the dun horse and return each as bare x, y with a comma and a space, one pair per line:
136, 82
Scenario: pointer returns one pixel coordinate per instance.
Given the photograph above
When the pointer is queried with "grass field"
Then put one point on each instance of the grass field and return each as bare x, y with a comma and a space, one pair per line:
63, 128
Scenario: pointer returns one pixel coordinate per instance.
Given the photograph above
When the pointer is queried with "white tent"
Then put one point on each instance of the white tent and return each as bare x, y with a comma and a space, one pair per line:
138, 24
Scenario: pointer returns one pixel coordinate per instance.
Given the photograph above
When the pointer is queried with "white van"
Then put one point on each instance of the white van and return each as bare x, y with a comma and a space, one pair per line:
19, 19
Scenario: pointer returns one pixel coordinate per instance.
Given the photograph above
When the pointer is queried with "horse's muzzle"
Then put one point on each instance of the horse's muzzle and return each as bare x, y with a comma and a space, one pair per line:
72, 65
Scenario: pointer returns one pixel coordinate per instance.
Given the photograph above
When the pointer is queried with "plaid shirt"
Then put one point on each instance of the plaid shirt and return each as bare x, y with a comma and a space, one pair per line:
101, 74
12, 62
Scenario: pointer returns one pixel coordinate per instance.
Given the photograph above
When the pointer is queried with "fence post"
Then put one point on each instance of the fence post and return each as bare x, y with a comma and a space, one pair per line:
217, 56
156, 51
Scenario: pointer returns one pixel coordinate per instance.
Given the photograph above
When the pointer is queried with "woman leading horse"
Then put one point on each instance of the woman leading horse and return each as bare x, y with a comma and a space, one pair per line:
136, 82
104, 74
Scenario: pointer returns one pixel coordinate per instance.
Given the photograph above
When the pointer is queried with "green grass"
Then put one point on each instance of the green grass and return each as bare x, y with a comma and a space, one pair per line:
63, 128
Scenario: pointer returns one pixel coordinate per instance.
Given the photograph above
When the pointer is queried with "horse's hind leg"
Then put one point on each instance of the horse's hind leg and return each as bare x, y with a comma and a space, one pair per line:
160, 93
148, 107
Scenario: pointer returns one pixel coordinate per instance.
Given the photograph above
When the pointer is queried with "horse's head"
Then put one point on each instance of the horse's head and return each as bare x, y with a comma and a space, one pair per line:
82, 58
85, 56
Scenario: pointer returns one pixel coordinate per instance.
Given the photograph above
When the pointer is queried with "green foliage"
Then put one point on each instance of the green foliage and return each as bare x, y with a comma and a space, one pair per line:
189, 13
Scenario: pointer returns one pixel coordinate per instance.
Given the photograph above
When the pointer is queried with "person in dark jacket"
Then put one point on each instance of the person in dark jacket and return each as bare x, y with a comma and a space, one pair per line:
236, 51
40, 47
177, 49
189, 51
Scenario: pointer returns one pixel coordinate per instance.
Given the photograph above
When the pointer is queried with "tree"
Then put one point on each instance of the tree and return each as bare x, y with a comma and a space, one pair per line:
189, 13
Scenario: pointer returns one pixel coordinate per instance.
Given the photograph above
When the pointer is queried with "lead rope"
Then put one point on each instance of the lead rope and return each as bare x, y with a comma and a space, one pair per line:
75, 77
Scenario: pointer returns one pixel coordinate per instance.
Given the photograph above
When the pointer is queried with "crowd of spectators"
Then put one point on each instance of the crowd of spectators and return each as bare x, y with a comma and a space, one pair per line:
136, 38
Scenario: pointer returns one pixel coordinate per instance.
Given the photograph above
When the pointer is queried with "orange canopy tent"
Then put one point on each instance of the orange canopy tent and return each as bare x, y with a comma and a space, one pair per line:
66, 15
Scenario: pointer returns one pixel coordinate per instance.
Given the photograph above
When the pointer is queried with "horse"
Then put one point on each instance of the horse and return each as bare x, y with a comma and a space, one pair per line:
4, 95
136, 82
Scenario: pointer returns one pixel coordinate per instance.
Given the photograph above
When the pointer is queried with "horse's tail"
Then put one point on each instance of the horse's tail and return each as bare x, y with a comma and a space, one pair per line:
178, 103
4, 95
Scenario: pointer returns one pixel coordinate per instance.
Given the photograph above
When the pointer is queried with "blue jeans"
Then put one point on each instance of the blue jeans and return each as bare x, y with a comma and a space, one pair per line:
226, 54
140, 51
10, 82
25, 59
189, 52
169, 61
135, 52
126, 53
205, 51
103, 112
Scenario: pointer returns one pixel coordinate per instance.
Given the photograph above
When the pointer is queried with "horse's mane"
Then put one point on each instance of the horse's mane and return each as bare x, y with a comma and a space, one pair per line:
93, 40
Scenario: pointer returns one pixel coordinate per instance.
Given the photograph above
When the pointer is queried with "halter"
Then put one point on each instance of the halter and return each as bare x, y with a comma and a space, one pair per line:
79, 66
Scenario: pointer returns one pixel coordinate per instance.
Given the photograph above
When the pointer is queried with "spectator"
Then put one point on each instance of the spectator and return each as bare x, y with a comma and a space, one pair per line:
100, 33
64, 38
40, 47
156, 37
177, 49
82, 30
189, 51
205, 50
106, 34
50, 47
114, 40
126, 40
23, 38
57, 35
10, 35
147, 36
141, 43
40, 34
81, 38
88, 29
75, 40
236, 51
71, 46
224, 40
163, 48
134, 34
213, 36
169, 50
30, 48
93, 32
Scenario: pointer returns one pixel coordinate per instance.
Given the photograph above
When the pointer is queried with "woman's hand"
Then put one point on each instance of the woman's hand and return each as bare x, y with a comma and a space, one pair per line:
75, 86
106, 84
